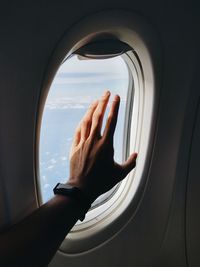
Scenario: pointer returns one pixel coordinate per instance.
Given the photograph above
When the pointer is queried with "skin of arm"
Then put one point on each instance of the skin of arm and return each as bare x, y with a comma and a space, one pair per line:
35, 240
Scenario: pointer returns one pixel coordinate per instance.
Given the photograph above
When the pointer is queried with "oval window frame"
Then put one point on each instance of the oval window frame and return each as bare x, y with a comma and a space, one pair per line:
107, 65
138, 34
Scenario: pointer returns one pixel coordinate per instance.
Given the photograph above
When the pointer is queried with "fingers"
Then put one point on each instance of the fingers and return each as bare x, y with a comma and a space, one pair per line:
84, 126
98, 115
128, 165
112, 119
87, 121
92, 121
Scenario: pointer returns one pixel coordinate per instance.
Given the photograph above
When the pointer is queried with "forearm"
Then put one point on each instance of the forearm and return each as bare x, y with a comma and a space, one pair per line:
35, 240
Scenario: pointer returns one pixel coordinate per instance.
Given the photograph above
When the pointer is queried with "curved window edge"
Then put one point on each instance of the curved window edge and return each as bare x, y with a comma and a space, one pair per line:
119, 26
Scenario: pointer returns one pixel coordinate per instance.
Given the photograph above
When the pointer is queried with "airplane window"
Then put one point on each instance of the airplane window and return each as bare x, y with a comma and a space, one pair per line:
117, 56
76, 84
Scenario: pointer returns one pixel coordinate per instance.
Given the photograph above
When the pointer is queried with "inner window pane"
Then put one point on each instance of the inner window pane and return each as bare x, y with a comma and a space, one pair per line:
76, 84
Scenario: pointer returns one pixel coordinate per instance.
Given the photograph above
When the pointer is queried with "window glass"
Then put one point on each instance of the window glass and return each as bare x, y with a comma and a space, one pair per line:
76, 84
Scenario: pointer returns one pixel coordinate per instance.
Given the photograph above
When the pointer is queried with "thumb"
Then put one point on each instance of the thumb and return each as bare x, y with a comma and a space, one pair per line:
129, 164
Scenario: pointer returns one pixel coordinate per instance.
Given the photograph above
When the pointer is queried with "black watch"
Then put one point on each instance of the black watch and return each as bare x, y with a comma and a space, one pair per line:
74, 193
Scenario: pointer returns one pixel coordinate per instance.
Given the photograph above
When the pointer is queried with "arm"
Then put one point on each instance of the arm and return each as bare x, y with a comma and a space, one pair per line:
92, 169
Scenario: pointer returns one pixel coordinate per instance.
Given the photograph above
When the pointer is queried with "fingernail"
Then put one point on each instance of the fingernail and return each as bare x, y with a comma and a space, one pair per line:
107, 93
116, 98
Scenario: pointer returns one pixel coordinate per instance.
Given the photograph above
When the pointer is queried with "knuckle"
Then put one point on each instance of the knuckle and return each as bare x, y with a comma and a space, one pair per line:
81, 144
104, 99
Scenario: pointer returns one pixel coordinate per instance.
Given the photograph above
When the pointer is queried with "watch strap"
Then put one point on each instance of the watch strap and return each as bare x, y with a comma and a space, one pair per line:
76, 194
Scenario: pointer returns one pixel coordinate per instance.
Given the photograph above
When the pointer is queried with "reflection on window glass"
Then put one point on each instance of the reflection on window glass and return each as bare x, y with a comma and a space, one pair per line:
76, 84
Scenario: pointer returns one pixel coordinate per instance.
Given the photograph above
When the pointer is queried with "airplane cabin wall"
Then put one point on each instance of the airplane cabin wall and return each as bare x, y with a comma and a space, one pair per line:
164, 231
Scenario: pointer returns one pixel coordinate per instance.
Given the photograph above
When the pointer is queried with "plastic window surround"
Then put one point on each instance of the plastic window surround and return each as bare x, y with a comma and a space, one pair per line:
104, 49
143, 63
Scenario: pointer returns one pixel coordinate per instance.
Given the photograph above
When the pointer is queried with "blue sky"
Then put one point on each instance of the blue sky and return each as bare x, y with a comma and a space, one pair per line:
83, 80
76, 84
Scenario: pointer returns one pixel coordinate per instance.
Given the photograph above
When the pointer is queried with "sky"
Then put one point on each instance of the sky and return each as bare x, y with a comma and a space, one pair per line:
76, 84
82, 80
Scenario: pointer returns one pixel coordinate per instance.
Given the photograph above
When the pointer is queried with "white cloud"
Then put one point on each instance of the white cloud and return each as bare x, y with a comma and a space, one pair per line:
57, 105
50, 167
77, 102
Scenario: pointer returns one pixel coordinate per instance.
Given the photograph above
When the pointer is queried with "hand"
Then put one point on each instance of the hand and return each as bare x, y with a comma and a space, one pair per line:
92, 165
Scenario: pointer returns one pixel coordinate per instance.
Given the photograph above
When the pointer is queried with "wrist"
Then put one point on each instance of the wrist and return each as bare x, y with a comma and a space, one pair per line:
86, 190
73, 192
